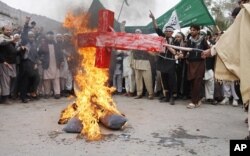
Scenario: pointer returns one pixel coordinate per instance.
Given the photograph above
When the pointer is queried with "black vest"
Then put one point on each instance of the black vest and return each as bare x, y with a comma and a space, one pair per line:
195, 55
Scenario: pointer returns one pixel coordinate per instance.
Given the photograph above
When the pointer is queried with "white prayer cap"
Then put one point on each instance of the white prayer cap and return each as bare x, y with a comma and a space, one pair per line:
203, 32
169, 28
138, 31
58, 35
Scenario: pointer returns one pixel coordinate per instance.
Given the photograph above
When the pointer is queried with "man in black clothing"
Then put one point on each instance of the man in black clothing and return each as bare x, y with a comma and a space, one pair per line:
166, 62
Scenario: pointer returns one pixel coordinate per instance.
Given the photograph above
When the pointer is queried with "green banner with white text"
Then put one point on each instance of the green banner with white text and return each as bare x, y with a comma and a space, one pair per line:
188, 11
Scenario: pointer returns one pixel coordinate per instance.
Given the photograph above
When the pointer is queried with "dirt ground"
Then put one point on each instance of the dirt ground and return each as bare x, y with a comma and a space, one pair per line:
153, 129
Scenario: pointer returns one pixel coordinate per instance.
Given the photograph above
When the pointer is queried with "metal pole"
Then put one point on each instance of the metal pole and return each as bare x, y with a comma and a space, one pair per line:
120, 10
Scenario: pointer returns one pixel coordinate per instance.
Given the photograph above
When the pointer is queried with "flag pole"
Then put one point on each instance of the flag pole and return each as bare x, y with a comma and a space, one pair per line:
120, 10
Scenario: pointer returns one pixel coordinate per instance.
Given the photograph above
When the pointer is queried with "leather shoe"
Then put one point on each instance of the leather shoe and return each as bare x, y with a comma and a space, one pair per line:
150, 97
57, 96
171, 101
165, 99
25, 100
138, 97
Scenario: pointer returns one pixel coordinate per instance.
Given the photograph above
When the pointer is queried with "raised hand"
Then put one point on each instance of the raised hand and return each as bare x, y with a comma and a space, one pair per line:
151, 15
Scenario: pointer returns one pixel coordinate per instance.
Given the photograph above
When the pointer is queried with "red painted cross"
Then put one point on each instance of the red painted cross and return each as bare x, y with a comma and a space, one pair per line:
104, 39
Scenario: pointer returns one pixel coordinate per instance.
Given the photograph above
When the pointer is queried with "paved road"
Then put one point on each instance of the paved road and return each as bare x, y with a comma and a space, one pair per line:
153, 129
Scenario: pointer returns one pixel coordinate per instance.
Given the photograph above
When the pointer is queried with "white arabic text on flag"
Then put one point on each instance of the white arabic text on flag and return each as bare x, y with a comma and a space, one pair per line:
173, 21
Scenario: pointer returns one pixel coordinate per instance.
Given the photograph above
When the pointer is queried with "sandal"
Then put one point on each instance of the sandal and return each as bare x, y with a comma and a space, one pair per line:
198, 104
191, 106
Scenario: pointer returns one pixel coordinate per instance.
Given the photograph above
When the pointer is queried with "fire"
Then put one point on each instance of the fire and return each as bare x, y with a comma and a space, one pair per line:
93, 96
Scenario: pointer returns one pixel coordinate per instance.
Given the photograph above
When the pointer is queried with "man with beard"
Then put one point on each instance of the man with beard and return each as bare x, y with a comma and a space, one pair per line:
181, 67
51, 62
196, 65
8, 54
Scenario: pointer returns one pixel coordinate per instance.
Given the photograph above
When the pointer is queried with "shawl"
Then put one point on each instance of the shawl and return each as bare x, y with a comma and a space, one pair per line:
233, 53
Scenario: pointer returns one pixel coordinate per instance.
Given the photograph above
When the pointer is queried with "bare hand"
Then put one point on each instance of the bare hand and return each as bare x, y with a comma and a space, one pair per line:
16, 39
180, 55
206, 53
151, 15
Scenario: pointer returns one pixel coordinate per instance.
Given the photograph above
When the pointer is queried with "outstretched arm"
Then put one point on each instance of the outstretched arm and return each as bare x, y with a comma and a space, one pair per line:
209, 52
151, 15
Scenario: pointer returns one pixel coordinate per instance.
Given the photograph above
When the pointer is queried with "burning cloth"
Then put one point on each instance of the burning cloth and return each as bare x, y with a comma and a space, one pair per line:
233, 49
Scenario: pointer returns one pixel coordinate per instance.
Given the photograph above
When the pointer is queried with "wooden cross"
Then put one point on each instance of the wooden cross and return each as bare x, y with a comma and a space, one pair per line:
105, 39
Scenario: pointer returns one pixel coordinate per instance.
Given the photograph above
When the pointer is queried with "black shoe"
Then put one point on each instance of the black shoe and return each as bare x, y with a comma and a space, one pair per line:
5, 102
46, 96
161, 97
25, 100
57, 96
165, 99
34, 97
171, 101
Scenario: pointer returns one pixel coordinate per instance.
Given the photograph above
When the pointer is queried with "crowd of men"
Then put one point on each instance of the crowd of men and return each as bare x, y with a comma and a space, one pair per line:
174, 74
33, 64
177, 73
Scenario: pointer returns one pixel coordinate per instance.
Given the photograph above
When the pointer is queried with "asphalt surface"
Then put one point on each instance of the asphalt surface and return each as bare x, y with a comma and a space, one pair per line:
153, 129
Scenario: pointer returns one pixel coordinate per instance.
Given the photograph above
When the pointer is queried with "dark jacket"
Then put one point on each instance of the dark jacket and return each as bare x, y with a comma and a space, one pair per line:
32, 53
8, 52
165, 65
45, 57
194, 55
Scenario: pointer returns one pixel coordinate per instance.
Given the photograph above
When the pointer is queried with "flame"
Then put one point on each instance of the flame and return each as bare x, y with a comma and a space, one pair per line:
93, 96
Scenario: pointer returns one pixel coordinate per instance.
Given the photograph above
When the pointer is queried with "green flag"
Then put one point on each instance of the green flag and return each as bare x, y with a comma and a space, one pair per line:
188, 11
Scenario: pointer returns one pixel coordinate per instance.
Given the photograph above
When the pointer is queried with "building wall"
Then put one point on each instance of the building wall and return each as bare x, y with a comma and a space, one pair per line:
16, 17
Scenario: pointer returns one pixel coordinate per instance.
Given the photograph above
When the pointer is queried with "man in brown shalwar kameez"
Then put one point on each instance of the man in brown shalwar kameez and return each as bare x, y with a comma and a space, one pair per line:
196, 65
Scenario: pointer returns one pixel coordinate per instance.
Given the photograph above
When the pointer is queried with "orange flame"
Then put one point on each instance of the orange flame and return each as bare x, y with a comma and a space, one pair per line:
93, 96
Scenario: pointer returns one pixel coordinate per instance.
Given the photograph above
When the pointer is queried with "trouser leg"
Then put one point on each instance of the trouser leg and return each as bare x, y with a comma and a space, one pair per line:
131, 79
235, 96
56, 86
4, 80
139, 82
147, 76
47, 86
226, 89
196, 86
62, 83
209, 88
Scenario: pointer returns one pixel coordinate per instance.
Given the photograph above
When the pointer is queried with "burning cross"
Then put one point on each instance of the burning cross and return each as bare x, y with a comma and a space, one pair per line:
104, 39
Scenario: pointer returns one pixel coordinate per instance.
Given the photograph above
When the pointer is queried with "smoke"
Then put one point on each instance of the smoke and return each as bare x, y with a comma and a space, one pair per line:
59, 8
137, 13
